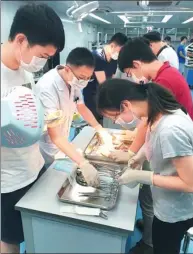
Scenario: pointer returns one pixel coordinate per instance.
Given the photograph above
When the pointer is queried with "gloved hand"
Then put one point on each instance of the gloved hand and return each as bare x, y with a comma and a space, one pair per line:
120, 156
131, 178
137, 161
90, 173
106, 138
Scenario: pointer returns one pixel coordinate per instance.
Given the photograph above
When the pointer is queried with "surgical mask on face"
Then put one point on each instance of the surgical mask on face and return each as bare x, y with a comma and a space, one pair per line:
35, 65
78, 83
115, 55
139, 80
127, 125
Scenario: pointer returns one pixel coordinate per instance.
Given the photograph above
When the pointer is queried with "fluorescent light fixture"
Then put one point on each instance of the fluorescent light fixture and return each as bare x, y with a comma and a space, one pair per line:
188, 20
67, 20
99, 18
124, 18
166, 18
139, 22
130, 12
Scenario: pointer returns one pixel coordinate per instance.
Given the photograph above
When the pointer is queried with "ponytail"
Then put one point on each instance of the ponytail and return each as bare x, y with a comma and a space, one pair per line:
160, 100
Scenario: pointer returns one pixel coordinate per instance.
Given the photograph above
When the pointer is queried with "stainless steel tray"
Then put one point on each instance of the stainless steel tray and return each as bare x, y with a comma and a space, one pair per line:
108, 190
92, 151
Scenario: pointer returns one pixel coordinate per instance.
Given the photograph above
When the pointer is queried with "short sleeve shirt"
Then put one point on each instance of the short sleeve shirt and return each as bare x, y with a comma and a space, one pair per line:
181, 48
172, 137
190, 58
19, 166
171, 79
101, 64
56, 98
169, 55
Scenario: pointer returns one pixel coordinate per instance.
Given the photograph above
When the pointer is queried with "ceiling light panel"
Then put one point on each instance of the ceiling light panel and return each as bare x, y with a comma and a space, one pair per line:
124, 18
166, 18
169, 11
99, 18
187, 21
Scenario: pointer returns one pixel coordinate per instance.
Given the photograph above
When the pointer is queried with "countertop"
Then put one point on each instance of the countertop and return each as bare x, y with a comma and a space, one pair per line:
42, 198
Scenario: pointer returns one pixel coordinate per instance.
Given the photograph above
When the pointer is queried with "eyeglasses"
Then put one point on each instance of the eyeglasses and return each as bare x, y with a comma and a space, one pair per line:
118, 114
128, 74
85, 79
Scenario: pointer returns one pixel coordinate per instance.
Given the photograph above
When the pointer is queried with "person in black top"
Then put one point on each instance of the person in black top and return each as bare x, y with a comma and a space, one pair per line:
105, 68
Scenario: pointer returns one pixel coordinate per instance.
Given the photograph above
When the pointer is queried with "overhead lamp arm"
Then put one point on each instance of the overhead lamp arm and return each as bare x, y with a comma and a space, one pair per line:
68, 12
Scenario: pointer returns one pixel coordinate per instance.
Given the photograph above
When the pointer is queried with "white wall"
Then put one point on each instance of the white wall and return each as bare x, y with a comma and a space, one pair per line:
73, 37
8, 10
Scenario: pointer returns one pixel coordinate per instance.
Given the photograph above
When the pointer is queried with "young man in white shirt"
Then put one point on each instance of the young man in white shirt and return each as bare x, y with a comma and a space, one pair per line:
36, 34
60, 93
163, 52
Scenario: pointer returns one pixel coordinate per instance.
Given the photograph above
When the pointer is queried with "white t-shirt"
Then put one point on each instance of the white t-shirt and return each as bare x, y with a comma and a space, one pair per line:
121, 75
19, 166
55, 96
169, 55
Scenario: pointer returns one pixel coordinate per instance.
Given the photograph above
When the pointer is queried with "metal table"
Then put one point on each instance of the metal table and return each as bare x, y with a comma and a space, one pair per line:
46, 230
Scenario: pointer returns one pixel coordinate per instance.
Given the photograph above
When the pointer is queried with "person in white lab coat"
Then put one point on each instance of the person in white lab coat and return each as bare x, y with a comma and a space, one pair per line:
60, 93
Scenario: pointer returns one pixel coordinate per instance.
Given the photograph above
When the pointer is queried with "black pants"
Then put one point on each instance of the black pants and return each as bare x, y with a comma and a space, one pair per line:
167, 237
11, 223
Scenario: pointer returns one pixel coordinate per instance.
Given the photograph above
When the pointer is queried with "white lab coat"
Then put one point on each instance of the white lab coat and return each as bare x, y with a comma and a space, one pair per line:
54, 95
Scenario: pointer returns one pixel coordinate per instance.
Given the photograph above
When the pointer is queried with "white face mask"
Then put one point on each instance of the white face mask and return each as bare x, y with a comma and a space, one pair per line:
78, 83
139, 80
35, 65
115, 55
128, 125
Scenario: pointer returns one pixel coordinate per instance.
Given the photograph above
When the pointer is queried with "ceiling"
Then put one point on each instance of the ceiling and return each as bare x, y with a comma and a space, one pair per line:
150, 16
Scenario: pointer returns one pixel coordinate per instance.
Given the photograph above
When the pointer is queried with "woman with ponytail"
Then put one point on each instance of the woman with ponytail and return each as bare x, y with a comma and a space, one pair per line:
168, 148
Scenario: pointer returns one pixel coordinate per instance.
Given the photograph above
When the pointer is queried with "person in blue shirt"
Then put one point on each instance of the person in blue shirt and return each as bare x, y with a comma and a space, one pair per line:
105, 68
182, 54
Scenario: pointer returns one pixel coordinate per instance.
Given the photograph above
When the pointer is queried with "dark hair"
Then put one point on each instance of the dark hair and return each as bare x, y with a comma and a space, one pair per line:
191, 40
80, 56
153, 36
40, 24
119, 38
183, 37
135, 49
168, 38
113, 91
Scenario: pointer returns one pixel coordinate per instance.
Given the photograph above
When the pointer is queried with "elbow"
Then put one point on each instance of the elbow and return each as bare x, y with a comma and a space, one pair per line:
189, 187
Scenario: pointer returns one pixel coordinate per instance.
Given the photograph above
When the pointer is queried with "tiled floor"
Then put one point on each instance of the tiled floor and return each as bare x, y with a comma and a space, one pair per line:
137, 235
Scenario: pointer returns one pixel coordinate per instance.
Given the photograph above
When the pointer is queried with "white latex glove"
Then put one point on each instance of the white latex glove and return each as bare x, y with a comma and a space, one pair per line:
121, 156
107, 138
90, 173
137, 161
131, 178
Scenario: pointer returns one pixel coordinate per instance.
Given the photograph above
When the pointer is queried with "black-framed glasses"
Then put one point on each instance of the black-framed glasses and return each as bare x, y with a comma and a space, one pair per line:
88, 79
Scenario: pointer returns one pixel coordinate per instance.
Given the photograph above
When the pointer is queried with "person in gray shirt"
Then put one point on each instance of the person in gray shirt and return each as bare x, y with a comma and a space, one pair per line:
168, 148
